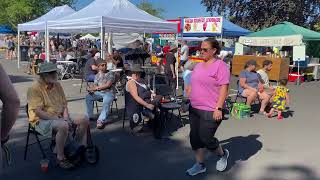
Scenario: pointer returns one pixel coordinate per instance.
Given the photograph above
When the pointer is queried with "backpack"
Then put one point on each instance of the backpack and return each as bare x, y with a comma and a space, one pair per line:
77, 153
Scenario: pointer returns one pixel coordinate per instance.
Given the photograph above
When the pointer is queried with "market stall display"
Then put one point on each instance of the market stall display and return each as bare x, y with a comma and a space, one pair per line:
280, 66
288, 43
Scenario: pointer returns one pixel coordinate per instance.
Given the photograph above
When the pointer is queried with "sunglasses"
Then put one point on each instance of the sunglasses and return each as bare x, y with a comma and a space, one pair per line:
205, 49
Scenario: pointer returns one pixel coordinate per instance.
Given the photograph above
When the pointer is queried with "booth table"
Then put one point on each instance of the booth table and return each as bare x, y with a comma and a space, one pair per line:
315, 71
280, 66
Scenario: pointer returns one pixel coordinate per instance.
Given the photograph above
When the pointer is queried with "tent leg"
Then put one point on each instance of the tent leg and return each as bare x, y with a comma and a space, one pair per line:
47, 45
18, 49
110, 43
102, 38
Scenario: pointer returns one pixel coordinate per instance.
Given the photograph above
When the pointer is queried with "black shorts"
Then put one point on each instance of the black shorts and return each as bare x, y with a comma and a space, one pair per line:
203, 128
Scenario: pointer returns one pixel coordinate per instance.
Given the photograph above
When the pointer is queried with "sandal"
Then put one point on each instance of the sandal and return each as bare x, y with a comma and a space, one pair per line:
268, 115
65, 164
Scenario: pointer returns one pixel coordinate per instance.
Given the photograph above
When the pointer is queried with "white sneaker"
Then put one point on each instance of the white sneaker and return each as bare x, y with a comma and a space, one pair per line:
223, 161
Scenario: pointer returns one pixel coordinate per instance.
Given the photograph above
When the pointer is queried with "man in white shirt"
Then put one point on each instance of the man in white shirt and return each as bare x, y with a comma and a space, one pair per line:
184, 53
267, 66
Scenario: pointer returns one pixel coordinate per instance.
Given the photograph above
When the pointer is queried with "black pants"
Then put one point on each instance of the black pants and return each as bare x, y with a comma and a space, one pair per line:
172, 82
203, 129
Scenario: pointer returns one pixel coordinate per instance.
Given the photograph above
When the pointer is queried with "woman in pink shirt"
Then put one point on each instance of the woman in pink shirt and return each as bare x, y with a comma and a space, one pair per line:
209, 89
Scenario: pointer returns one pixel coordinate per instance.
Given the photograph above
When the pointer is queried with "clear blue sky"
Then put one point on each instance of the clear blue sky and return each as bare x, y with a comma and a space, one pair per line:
173, 8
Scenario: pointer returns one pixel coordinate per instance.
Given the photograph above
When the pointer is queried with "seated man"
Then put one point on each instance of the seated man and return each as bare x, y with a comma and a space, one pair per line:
267, 67
48, 112
103, 88
91, 67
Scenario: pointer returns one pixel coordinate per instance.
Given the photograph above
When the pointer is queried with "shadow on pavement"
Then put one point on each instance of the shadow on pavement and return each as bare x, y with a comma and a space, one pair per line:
19, 79
241, 148
279, 172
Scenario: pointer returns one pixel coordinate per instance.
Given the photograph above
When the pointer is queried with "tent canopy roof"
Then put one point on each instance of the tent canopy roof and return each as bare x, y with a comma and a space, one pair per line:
229, 29
6, 30
115, 16
287, 29
89, 36
40, 23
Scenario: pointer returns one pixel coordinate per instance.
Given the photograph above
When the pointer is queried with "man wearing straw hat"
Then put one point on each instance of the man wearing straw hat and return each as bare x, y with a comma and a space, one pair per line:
48, 111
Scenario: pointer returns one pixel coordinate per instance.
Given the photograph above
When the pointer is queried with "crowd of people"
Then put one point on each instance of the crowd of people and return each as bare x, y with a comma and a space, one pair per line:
9, 44
206, 86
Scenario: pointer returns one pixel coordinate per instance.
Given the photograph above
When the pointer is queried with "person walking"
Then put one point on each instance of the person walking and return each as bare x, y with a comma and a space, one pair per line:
184, 52
10, 109
169, 68
209, 90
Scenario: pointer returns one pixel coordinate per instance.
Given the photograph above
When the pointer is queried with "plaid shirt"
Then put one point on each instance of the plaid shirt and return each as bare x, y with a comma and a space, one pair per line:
103, 78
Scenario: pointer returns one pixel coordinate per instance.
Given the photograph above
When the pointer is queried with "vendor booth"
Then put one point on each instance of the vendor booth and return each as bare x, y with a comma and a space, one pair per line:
285, 43
6, 30
40, 24
198, 29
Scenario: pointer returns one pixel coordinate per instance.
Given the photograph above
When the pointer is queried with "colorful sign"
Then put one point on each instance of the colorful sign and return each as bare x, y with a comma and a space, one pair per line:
203, 25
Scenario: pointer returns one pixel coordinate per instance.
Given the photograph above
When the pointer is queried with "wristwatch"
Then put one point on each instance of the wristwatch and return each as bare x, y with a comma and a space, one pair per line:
219, 108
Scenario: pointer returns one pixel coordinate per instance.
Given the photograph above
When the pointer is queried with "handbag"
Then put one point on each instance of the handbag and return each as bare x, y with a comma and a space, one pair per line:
92, 153
74, 152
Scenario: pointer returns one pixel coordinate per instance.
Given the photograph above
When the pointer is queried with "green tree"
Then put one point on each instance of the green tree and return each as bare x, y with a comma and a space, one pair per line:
258, 14
15, 12
149, 8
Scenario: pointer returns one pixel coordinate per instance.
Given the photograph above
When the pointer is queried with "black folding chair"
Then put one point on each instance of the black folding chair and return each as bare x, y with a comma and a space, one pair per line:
115, 100
243, 99
31, 130
84, 80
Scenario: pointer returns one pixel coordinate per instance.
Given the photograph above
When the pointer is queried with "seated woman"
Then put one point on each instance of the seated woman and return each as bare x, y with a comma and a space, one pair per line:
139, 99
250, 85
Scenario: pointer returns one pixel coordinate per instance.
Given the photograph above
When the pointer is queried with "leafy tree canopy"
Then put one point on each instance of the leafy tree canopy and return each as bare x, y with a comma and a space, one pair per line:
149, 8
15, 12
258, 14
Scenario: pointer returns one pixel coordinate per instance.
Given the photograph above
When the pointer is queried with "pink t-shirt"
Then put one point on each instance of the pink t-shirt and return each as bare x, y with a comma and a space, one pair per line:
205, 84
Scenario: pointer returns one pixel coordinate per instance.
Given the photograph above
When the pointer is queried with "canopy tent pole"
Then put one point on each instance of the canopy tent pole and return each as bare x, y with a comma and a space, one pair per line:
177, 66
221, 30
18, 55
102, 39
47, 44
110, 43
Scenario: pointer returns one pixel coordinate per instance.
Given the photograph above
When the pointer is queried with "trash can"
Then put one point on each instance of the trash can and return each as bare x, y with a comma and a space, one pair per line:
24, 53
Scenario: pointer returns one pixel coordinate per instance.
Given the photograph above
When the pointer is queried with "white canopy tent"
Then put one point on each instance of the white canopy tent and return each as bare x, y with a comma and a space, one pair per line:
112, 16
89, 36
40, 24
